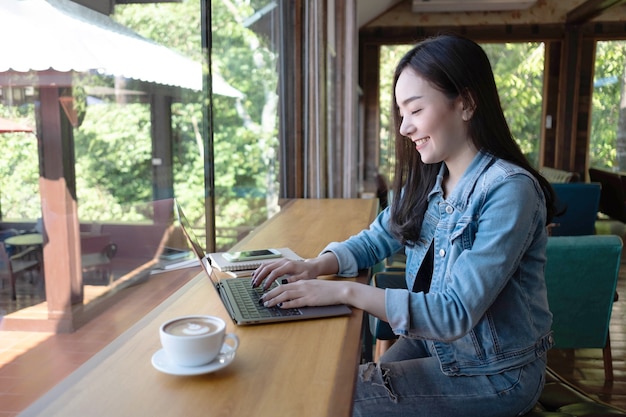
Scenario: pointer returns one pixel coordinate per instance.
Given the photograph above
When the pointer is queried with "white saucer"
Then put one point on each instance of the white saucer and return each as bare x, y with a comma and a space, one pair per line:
162, 363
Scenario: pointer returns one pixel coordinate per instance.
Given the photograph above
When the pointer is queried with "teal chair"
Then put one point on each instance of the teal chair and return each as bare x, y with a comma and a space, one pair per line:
581, 201
581, 277
380, 330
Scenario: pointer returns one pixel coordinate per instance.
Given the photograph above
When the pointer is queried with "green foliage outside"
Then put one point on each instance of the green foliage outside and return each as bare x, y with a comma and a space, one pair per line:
113, 147
19, 167
606, 104
389, 57
244, 130
19, 175
518, 71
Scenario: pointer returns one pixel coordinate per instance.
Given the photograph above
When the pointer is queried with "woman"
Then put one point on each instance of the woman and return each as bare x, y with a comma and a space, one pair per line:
471, 214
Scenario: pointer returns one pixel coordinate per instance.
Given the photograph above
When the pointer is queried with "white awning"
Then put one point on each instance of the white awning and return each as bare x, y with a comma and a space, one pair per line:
59, 35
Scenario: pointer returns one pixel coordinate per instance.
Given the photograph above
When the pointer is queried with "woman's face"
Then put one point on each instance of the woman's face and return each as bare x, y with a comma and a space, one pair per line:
434, 123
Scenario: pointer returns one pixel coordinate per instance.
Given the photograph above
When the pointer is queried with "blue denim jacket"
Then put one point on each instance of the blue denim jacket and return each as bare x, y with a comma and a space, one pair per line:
487, 308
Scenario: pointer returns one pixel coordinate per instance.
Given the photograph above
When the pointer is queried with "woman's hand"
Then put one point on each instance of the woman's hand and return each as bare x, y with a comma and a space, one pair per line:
286, 269
316, 292
322, 292
290, 271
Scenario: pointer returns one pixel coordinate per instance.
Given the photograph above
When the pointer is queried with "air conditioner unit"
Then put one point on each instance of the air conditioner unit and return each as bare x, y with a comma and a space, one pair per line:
421, 6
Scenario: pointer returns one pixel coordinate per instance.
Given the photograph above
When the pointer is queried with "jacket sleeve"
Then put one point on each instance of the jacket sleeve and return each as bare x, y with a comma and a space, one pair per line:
366, 248
510, 217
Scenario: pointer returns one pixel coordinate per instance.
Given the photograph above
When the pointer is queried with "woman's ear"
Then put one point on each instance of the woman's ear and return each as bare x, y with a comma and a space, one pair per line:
467, 114
469, 106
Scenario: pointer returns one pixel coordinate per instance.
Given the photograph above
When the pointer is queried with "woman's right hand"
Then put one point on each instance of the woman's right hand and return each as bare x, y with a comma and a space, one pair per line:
289, 270
286, 269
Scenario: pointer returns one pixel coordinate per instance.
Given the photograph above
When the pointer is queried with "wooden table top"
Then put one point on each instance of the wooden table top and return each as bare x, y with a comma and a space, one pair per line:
305, 368
28, 239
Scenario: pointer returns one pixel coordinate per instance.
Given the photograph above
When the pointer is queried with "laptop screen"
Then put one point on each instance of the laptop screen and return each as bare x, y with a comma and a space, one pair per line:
194, 242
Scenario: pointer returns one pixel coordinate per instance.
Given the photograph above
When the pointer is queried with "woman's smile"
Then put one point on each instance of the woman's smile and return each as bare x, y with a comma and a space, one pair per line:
420, 142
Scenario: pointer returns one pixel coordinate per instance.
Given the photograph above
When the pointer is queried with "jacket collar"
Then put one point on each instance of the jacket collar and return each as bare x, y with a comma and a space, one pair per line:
459, 197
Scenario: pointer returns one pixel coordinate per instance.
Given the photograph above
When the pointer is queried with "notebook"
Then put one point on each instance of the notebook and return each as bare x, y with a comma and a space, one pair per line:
241, 300
218, 261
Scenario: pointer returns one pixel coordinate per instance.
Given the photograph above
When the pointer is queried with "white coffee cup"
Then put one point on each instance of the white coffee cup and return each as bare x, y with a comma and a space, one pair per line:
195, 340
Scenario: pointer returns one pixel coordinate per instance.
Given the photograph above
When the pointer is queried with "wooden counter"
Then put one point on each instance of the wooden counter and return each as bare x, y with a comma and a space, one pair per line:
305, 368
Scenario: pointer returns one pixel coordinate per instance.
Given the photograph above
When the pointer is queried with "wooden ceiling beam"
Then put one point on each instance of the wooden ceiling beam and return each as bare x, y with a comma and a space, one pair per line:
590, 9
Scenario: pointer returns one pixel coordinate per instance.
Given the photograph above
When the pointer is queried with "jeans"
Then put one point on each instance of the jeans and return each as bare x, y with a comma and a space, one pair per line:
408, 382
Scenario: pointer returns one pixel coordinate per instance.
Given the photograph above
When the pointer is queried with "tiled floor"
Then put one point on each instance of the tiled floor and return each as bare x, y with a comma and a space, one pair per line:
32, 363
29, 291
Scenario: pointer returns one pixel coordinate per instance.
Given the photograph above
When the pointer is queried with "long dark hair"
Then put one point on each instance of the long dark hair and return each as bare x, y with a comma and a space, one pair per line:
457, 67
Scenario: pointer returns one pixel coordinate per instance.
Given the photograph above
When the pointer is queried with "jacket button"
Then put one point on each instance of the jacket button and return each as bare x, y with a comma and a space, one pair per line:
449, 209
442, 252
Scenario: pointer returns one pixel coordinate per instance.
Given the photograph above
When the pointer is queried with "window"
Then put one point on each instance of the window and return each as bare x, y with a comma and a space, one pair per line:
607, 145
245, 119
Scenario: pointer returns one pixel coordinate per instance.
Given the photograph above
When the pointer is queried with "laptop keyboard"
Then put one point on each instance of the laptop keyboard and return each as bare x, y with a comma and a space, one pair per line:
247, 299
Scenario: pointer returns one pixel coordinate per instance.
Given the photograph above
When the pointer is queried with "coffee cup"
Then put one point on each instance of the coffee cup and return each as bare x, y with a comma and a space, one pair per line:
195, 340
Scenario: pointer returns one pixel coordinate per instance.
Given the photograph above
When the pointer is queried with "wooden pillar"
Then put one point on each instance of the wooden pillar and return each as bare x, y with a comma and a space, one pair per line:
567, 102
370, 84
292, 109
61, 250
582, 133
162, 160
552, 70
347, 98
567, 115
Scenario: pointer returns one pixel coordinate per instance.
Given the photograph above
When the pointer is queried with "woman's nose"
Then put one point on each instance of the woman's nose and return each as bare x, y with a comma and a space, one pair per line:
406, 128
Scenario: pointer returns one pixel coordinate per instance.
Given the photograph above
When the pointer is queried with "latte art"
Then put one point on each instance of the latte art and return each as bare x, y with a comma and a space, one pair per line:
190, 327
194, 328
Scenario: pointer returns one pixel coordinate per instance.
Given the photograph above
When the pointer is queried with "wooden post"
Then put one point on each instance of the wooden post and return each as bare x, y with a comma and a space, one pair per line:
61, 250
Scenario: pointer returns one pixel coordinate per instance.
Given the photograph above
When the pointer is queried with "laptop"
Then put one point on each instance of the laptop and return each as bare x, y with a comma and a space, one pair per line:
241, 300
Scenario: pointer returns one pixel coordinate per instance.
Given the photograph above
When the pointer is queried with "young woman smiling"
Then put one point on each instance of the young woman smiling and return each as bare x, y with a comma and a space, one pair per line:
471, 214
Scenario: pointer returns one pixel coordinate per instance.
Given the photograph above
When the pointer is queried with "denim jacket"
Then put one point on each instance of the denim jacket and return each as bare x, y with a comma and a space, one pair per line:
487, 308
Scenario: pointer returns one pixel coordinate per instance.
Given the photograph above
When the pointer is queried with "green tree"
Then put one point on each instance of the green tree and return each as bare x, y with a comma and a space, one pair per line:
518, 71
113, 166
606, 99
245, 130
19, 167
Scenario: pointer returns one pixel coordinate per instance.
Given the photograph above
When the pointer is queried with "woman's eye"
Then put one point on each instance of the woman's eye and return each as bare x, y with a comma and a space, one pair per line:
416, 111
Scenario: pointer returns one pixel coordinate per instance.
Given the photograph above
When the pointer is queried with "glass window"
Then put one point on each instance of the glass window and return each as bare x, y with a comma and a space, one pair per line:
19, 165
518, 70
607, 145
245, 119
119, 101
130, 85
141, 140
123, 82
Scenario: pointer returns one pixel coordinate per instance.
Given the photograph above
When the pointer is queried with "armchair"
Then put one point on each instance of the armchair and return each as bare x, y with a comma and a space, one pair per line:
99, 263
13, 265
580, 201
381, 331
581, 277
